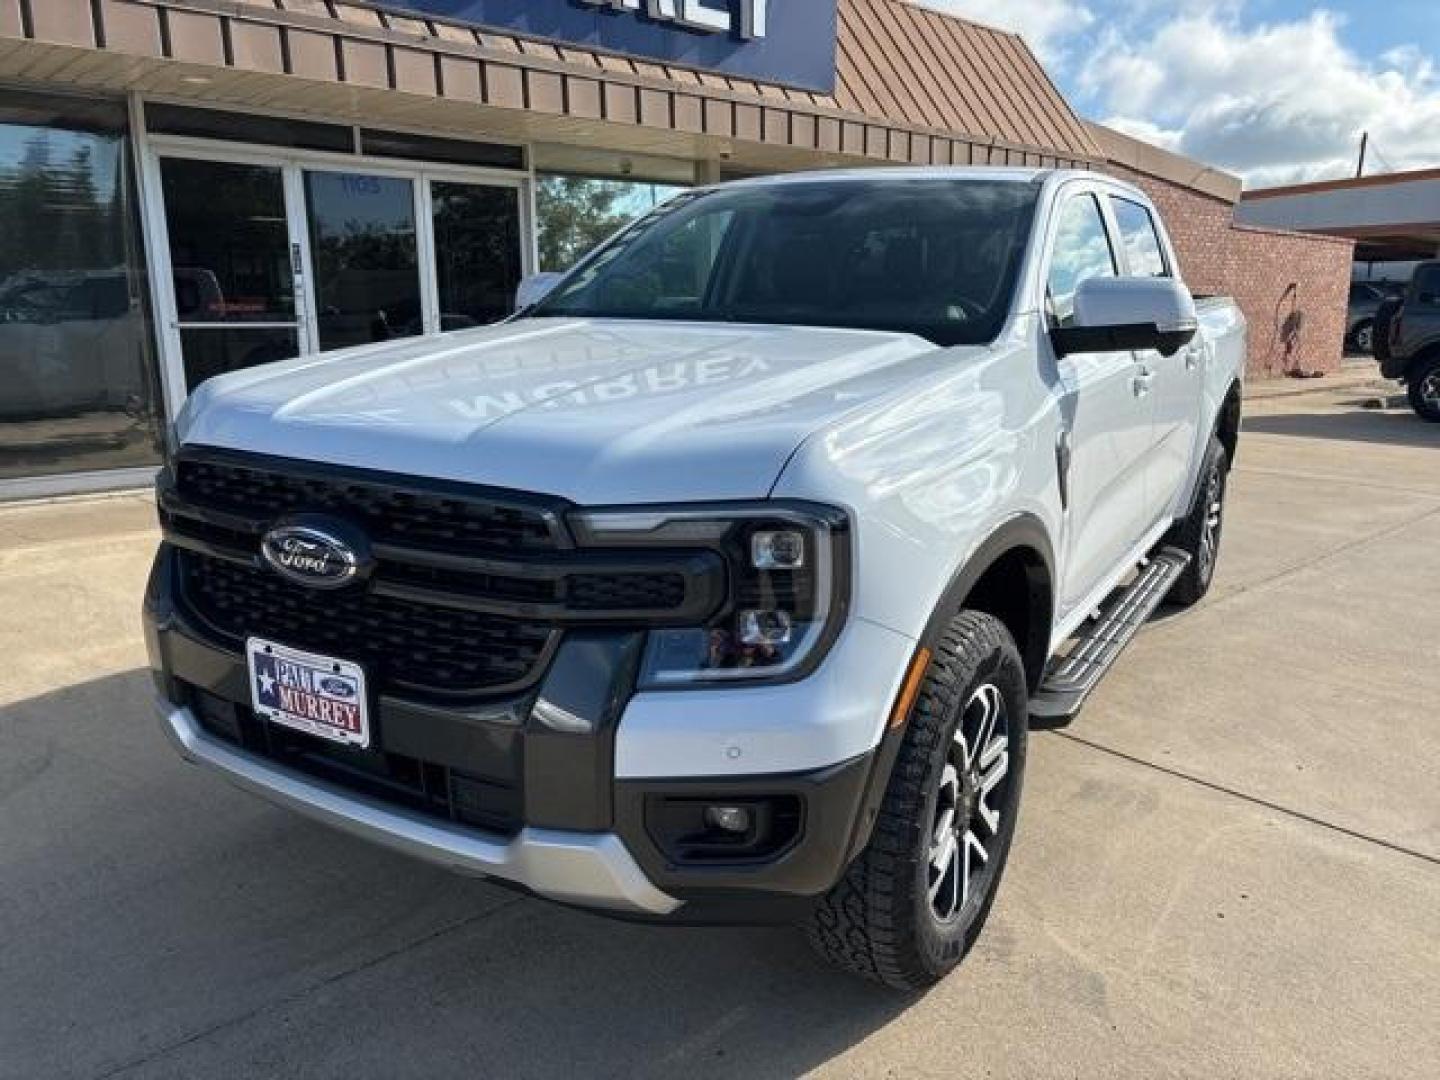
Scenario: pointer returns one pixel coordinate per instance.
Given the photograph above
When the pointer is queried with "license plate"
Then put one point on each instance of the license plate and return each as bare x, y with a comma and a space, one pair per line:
319, 695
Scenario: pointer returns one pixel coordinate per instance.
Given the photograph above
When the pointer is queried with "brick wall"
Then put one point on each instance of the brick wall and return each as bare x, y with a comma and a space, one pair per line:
1293, 287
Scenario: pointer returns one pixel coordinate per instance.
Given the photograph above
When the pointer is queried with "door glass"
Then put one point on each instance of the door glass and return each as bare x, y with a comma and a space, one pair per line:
1082, 251
1141, 241
362, 245
210, 352
230, 261
477, 252
229, 243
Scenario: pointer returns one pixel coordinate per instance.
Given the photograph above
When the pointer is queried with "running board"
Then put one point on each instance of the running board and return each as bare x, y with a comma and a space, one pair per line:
1099, 644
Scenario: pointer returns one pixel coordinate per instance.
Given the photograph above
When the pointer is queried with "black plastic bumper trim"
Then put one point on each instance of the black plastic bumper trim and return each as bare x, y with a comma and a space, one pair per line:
832, 801
569, 768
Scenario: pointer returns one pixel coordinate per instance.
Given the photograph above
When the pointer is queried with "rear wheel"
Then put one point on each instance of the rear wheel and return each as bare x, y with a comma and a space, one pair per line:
1200, 532
1425, 390
913, 902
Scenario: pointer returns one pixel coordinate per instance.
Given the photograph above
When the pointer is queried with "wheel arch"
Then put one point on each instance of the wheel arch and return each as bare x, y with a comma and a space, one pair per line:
1011, 576
1227, 423
1422, 359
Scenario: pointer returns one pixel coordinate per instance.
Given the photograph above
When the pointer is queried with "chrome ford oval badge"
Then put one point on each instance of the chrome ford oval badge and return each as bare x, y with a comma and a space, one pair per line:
316, 552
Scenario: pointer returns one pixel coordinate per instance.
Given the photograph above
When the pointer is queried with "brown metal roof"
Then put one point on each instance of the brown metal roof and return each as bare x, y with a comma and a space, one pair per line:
1132, 153
912, 85
907, 63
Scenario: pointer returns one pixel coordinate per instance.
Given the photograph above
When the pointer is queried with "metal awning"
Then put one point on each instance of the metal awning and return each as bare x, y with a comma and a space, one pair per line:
913, 86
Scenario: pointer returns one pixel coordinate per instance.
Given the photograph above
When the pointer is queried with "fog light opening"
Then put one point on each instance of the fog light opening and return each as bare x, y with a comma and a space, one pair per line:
730, 819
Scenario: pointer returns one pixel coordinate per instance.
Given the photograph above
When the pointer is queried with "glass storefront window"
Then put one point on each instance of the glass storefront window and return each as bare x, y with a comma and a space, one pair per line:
576, 213
210, 352
367, 270
229, 242
477, 252
80, 388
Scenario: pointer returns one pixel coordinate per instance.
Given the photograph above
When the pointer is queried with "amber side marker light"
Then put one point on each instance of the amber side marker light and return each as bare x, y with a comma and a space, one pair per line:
913, 678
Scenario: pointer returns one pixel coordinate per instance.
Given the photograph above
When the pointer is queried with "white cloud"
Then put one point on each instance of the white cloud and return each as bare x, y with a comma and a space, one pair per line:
1276, 102
1044, 24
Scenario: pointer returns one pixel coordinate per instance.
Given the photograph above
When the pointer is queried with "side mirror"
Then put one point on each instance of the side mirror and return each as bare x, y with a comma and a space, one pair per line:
1129, 314
535, 288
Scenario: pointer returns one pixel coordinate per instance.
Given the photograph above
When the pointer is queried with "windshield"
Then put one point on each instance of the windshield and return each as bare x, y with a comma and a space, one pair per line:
928, 256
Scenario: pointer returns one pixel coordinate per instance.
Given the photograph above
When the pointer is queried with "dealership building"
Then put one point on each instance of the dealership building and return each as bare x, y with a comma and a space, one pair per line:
189, 187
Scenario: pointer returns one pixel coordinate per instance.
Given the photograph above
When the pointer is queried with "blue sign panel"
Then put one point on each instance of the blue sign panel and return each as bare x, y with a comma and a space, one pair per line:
791, 42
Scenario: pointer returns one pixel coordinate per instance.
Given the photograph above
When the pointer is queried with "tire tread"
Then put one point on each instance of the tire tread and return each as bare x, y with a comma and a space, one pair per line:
866, 924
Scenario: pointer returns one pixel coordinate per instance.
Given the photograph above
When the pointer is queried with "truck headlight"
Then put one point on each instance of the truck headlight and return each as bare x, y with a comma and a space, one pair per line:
788, 569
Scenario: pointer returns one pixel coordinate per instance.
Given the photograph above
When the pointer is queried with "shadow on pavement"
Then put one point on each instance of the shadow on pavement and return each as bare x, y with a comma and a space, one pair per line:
157, 921
1390, 427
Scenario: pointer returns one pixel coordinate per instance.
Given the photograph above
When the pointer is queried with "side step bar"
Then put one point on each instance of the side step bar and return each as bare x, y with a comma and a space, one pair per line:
1099, 644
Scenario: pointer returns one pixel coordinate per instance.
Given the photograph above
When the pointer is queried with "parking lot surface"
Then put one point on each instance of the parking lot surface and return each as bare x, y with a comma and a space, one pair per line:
1228, 865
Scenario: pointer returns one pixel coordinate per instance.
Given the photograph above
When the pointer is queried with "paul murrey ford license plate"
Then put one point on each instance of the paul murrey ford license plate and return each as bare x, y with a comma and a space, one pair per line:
318, 695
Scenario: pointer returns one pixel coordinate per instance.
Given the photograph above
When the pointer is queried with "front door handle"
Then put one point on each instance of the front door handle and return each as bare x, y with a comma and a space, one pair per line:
1141, 383
1193, 356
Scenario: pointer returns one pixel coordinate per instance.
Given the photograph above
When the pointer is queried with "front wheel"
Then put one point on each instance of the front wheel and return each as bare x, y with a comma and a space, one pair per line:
913, 902
1425, 390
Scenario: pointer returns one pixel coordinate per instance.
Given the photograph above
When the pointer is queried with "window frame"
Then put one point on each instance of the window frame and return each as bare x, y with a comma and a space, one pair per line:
1062, 202
1166, 260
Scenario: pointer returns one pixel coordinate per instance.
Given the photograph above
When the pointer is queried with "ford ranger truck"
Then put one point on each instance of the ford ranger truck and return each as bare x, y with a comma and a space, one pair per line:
721, 582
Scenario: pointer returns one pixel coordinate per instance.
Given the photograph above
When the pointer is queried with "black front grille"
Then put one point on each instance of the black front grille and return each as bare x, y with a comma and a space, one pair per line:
626, 592
404, 646
442, 520
470, 588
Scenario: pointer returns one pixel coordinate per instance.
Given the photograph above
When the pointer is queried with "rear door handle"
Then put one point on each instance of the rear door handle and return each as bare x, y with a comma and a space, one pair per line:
1142, 380
1193, 356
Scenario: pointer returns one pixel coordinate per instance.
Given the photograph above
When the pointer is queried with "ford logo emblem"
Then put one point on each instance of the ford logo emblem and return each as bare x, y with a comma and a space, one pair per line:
337, 687
317, 552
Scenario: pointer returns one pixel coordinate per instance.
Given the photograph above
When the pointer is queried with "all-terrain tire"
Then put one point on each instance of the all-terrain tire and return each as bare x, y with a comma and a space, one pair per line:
1199, 533
1424, 387
880, 919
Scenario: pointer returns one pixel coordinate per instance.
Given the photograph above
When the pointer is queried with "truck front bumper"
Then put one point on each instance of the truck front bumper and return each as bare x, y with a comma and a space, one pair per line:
504, 795
591, 869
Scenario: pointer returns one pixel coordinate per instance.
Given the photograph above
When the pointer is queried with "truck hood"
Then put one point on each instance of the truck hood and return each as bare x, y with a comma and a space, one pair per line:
607, 411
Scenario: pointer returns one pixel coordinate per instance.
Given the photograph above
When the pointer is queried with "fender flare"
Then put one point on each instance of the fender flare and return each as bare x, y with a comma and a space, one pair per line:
1022, 531
1422, 358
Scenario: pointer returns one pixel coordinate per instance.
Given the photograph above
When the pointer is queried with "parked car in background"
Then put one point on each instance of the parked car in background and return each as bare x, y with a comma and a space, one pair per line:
1366, 297
1411, 352
721, 583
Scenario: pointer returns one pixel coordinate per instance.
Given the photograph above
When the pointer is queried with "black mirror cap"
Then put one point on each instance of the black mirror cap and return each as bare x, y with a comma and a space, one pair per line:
1133, 337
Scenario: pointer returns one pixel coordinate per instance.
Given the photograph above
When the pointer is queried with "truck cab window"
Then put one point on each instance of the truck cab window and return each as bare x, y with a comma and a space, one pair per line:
1082, 251
932, 257
1426, 287
1143, 253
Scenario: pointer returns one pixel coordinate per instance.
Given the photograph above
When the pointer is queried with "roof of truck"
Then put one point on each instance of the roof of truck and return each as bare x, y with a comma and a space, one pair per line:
938, 172
932, 172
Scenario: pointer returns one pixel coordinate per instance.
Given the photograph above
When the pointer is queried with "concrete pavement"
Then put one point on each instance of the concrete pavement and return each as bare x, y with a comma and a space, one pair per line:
1229, 865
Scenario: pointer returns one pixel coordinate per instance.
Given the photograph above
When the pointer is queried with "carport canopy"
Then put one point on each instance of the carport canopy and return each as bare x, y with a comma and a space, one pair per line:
1395, 217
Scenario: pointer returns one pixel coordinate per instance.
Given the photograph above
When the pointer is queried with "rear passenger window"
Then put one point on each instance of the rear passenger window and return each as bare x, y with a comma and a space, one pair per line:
1082, 251
1143, 252
1427, 284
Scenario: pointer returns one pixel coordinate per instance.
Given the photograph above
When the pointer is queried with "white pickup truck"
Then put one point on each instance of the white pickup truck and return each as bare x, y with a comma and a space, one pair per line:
722, 581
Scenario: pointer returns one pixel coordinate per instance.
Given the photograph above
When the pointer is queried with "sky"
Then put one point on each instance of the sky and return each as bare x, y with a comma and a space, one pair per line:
1277, 91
